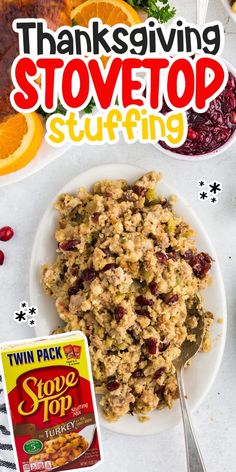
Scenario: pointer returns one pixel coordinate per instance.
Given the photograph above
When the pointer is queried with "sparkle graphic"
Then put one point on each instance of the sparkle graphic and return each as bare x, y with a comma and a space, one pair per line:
203, 195
33, 310
215, 187
23, 304
32, 322
20, 316
214, 200
25, 314
201, 183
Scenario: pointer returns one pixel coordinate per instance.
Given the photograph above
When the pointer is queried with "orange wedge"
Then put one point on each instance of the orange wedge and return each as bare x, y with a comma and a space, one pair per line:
20, 138
110, 12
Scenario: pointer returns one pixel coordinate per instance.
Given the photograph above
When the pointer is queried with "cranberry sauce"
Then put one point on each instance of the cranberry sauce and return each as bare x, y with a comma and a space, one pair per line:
210, 130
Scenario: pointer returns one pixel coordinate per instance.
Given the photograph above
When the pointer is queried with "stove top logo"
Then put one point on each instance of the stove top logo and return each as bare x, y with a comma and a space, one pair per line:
51, 393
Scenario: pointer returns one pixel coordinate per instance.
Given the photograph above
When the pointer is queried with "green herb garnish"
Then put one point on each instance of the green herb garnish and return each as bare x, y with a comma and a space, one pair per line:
89, 108
160, 10
60, 109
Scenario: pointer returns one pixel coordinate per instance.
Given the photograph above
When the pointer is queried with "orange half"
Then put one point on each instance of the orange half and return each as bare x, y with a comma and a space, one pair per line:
110, 12
20, 138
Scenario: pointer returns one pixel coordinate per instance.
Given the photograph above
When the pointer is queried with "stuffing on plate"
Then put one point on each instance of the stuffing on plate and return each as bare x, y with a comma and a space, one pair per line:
61, 449
127, 272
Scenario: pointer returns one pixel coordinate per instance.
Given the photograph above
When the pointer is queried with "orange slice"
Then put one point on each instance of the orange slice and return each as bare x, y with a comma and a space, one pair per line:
110, 12
20, 138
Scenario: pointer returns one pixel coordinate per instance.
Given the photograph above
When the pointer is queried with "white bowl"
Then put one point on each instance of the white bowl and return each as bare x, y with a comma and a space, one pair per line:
209, 155
229, 10
200, 376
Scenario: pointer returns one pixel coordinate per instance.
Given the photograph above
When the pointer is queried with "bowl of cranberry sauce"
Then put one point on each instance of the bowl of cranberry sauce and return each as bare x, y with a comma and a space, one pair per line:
209, 133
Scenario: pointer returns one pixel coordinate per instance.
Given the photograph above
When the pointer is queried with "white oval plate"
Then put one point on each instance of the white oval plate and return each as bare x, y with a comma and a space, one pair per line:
45, 155
200, 376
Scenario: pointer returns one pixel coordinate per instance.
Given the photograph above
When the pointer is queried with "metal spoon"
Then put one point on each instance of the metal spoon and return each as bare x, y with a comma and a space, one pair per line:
188, 350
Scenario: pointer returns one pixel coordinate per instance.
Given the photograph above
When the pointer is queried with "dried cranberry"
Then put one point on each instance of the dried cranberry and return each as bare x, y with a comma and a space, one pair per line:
160, 390
166, 204
159, 373
95, 217
163, 346
170, 299
153, 288
108, 267
142, 301
137, 373
6, 233
172, 254
112, 385
88, 275
2, 257
151, 345
69, 244
140, 191
142, 312
161, 257
106, 251
75, 269
201, 264
120, 311
188, 254
75, 288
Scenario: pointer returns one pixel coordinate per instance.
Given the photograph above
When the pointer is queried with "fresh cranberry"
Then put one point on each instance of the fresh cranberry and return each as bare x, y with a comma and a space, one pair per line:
2, 257
119, 313
192, 134
142, 301
140, 191
159, 373
201, 264
151, 345
108, 267
69, 244
153, 288
137, 373
88, 275
112, 385
161, 257
6, 233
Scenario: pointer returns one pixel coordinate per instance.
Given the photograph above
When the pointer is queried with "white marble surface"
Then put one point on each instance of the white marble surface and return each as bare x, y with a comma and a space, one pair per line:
22, 206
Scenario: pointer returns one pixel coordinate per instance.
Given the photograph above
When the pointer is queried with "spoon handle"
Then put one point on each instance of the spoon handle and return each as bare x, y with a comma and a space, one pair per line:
194, 458
202, 6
